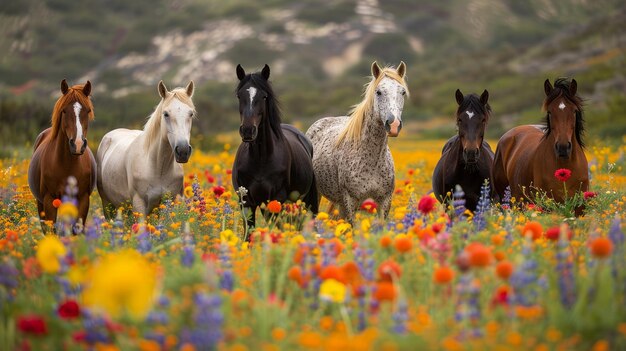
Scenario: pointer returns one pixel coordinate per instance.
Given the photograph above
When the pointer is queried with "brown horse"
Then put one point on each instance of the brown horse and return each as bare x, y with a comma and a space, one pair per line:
61, 151
530, 155
466, 158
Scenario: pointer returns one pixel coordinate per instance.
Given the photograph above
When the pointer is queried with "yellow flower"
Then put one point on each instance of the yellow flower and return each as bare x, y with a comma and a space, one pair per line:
76, 274
322, 216
67, 210
122, 282
49, 250
333, 291
188, 192
343, 229
229, 237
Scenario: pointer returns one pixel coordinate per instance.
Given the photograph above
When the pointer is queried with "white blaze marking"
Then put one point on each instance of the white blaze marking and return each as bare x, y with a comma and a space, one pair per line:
470, 114
562, 106
79, 127
252, 91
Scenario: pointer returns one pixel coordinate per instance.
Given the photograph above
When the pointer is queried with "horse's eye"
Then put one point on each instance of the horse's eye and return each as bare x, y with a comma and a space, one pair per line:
166, 115
237, 96
403, 92
265, 97
378, 93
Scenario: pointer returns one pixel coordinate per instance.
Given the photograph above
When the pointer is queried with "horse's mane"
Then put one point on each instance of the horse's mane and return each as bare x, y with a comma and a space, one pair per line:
352, 130
473, 101
561, 89
74, 94
152, 128
273, 106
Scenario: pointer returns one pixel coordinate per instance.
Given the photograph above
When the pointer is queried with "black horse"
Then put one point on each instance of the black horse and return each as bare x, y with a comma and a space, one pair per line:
273, 161
466, 159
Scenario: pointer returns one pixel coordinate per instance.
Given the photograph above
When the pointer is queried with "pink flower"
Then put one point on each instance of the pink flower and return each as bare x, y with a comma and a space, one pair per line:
589, 195
562, 174
426, 204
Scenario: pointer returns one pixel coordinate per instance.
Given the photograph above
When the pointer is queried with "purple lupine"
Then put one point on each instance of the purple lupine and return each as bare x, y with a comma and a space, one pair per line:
524, 279
117, 230
411, 215
506, 200
145, 245
95, 328
157, 317
618, 260
400, 316
198, 196
458, 202
227, 281
8, 280
208, 321
565, 271
484, 204
468, 309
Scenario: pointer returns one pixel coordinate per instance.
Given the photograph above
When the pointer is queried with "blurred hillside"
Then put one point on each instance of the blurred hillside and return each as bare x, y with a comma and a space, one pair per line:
319, 52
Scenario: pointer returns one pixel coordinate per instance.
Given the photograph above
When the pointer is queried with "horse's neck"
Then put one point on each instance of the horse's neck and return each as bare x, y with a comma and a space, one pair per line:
161, 153
265, 143
373, 136
61, 147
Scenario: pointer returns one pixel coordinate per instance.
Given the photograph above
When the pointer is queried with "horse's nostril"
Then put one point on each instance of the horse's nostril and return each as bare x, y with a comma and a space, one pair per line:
72, 142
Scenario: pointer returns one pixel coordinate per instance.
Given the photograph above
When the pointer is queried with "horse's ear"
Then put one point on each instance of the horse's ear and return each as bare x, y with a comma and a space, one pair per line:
484, 97
241, 74
64, 87
459, 97
189, 88
547, 87
265, 72
401, 69
376, 69
162, 89
87, 88
573, 86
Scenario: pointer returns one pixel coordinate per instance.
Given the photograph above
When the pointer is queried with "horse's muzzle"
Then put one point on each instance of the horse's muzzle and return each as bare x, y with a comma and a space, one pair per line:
182, 153
563, 150
78, 149
248, 133
393, 126
471, 156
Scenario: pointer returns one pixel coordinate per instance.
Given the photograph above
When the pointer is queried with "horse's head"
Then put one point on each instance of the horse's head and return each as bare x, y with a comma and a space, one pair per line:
472, 116
253, 93
389, 99
563, 115
73, 110
177, 112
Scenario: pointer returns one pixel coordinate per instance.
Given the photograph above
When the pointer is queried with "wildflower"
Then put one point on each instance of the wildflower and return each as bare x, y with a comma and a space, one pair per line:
218, 190
389, 270
385, 291
443, 275
31, 268
403, 243
426, 204
562, 174
274, 206
589, 195
504, 269
601, 247
479, 255
67, 210
56, 203
229, 237
385, 241
333, 291
188, 192
333, 272
554, 233
49, 250
69, 309
295, 273
123, 281
534, 229
32, 324
369, 205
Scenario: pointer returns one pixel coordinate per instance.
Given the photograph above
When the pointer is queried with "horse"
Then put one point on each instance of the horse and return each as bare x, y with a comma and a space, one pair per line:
466, 158
140, 166
273, 161
61, 151
528, 156
351, 158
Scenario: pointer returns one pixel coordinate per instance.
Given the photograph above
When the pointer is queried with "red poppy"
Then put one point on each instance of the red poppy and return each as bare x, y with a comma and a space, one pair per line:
388, 269
554, 233
369, 205
589, 195
426, 204
32, 324
218, 190
274, 206
56, 203
69, 309
562, 174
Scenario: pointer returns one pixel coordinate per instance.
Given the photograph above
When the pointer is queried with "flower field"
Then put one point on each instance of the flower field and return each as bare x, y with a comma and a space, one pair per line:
516, 276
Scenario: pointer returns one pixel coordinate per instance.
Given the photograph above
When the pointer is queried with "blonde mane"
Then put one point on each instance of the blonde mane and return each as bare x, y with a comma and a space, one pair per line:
152, 128
352, 130
74, 94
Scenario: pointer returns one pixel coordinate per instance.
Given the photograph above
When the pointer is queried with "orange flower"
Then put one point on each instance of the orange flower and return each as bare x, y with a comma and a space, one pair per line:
534, 228
274, 206
295, 273
443, 275
56, 203
388, 269
333, 272
385, 291
479, 255
385, 241
425, 234
403, 244
351, 272
601, 247
504, 269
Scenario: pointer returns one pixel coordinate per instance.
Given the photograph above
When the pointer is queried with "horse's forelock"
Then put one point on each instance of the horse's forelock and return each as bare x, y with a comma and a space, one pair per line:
74, 94
473, 102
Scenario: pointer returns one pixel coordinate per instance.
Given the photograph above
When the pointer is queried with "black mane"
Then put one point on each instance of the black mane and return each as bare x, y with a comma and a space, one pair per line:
273, 106
562, 89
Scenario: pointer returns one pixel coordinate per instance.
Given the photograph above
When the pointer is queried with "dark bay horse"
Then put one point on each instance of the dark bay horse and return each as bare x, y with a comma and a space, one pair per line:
61, 151
529, 155
273, 161
466, 158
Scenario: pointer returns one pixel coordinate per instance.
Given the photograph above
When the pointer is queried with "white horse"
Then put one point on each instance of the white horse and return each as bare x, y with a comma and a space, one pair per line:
351, 159
142, 166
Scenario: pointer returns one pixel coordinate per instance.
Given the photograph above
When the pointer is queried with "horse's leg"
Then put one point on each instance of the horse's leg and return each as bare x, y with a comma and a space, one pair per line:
139, 204
348, 207
83, 209
385, 206
49, 209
